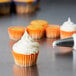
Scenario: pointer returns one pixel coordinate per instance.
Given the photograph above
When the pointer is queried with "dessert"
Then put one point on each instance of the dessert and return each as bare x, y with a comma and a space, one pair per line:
26, 6
42, 23
25, 51
36, 32
16, 32
53, 31
5, 4
67, 29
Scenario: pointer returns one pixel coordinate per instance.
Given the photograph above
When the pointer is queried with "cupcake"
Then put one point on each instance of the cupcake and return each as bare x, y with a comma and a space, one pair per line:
36, 32
25, 6
16, 32
42, 23
67, 29
5, 4
53, 31
25, 51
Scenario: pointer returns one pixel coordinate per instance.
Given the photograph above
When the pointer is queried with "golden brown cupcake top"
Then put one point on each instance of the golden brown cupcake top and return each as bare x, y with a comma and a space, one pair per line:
16, 28
39, 23
34, 27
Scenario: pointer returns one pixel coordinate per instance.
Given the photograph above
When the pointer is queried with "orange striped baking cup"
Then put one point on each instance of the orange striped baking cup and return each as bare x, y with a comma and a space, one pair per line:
25, 60
16, 32
66, 34
36, 32
53, 31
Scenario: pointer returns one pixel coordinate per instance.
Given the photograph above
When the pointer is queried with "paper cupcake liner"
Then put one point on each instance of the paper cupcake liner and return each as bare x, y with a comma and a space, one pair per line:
36, 34
25, 60
52, 32
15, 35
3, 7
65, 34
23, 9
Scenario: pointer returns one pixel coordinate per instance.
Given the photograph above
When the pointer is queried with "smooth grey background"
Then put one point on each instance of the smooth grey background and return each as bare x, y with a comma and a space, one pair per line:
49, 63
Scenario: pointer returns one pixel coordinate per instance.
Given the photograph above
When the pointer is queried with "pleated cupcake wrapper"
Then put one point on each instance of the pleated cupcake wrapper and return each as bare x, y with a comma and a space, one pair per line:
36, 34
52, 34
25, 60
65, 34
15, 35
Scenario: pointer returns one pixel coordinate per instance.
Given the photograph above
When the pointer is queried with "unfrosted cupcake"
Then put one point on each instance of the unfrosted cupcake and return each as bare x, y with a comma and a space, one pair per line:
53, 31
25, 51
67, 29
42, 23
16, 32
36, 32
5, 7
26, 6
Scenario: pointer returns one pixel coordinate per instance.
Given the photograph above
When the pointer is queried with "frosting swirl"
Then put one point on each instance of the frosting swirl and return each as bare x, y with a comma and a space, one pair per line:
26, 45
68, 26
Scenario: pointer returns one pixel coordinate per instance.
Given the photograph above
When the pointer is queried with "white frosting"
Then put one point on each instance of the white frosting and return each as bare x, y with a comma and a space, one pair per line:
74, 37
26, 45
68, 26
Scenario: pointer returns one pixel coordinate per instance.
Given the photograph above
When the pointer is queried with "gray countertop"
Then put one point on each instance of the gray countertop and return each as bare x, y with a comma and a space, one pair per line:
51, 61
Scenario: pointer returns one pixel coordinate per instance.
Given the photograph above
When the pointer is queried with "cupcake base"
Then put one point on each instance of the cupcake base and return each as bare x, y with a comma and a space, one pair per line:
65, 34
5, 9
25, 60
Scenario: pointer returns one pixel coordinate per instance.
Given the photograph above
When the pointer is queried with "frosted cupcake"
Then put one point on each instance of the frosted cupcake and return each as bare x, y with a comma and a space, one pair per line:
36, 32
25, 51
16, 32
67, 29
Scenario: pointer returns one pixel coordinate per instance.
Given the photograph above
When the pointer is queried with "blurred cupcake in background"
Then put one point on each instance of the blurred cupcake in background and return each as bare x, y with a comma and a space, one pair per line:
16, 32
5, 6
67, 29
36, 32
53, 31
65, 50
26, 6
42, 23
19, 71
25, 51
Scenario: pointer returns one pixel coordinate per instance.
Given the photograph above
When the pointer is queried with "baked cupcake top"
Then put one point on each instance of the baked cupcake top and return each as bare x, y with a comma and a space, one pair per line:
39, 23
34, 27
17, 28
26, 45
68, 26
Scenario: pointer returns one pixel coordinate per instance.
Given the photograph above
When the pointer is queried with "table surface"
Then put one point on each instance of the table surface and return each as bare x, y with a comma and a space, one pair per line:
58, 61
